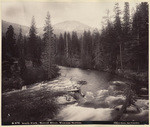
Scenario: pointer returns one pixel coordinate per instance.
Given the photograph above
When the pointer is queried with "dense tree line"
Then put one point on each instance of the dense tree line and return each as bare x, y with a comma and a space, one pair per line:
121, 44
28, 59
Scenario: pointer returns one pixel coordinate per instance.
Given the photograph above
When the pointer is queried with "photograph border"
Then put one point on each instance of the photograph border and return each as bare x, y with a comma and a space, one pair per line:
64, 124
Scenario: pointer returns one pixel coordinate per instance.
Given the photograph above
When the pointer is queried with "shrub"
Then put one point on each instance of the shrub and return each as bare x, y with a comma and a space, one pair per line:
11, 83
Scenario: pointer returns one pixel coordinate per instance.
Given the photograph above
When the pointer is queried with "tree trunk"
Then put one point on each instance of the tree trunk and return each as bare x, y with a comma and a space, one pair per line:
121, 58
66, 47
49, 58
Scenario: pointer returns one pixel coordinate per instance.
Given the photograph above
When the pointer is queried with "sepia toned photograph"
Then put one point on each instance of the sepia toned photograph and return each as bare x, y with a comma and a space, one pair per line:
74, 63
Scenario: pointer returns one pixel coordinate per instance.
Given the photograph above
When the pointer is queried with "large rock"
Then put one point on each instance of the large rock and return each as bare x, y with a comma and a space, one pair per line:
132, 109
66, 99
118, 83
102, 94
142, 103
89, 96
113, 101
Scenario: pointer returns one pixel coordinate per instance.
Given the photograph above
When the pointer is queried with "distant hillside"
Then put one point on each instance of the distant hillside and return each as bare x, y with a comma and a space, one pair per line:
70, 26
5, 25
58, 28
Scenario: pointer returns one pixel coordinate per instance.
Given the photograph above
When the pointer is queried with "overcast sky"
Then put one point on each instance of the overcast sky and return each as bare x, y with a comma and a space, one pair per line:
88, 13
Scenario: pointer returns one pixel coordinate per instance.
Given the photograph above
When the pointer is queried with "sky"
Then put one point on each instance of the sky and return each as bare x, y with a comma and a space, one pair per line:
89, 13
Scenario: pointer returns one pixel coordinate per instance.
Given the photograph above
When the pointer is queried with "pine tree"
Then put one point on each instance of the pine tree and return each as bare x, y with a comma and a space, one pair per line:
117, 22
11, 46
11, 55
75, 46
144, 25
66, 44
126, 36
61, 50
139, 46
69, 44
32, 43
68, 49
48, 54
20, 43
61, 45
83, 59
118, 34
86, 50
4, 48
39, 48
25, 42
126, 22
97, 51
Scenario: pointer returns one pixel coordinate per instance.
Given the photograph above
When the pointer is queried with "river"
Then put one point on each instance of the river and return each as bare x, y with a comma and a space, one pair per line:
101, 100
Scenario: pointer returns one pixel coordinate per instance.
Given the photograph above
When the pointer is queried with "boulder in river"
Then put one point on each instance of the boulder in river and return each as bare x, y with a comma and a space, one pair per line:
115, 100
89, 96
66, 99
142, 103
101, 94
141, 116
117, 83
132, 109
24, 87
118, 107
82, 82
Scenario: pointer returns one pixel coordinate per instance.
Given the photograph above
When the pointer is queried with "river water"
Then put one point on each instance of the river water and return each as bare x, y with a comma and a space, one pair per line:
101, 101
102, 97
95, 80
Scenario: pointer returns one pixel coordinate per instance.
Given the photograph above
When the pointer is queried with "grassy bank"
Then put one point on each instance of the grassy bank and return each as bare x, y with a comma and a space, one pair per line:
29, 105
141, 78
28, 76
